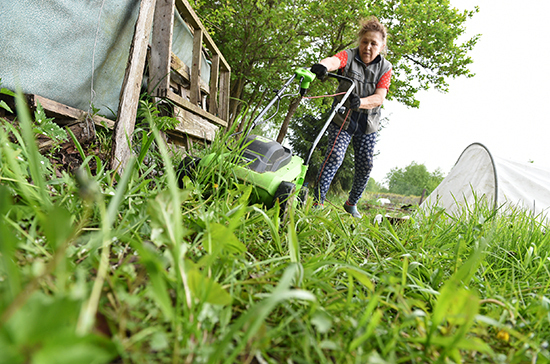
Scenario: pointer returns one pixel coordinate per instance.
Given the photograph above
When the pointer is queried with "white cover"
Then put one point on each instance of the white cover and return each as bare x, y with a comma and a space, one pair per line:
498, 181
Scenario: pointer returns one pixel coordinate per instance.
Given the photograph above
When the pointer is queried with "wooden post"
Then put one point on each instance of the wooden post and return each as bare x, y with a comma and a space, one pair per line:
422, 197
223, 103
194, 95
214, 75
131, 86
161, 48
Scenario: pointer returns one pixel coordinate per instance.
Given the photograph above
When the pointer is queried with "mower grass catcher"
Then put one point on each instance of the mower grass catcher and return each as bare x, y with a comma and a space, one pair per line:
270, 167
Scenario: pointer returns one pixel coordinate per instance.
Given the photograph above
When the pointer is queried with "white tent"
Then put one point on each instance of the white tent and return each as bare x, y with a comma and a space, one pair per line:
479, 174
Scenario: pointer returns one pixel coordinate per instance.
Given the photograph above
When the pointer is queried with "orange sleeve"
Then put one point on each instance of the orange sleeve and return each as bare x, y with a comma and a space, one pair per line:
343, 57
384, 81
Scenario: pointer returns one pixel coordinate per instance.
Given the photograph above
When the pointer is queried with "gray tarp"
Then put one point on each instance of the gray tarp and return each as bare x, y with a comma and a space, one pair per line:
47, 47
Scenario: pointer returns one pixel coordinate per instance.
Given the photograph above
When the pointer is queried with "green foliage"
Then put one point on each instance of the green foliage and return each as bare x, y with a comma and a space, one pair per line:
5, 91
103, 268
374, 186
45, 126
413, 179
264, 41
149, 112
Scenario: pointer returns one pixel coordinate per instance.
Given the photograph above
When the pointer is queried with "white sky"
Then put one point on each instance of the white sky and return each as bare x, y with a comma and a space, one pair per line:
506, 106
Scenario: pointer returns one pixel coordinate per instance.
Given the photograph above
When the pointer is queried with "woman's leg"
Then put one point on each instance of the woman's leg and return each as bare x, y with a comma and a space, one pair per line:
338, 141
363, 146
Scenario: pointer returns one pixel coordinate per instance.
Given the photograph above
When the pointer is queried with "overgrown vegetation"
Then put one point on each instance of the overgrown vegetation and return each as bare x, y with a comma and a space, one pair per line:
103, 268
264, 41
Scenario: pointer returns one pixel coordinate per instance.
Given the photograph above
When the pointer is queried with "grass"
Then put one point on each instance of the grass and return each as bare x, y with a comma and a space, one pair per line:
103, 268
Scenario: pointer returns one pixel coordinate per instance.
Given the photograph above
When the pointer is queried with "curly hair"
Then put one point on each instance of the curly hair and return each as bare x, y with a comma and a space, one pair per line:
371, 24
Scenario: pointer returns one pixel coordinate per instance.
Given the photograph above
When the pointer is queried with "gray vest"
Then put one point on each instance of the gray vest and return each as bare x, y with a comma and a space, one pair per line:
366, 78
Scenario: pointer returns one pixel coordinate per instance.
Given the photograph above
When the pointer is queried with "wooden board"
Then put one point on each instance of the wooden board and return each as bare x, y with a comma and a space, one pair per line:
193, 125
60, 111
186, 11
161, 43
182, 70
181, 102
131, 86
195, 95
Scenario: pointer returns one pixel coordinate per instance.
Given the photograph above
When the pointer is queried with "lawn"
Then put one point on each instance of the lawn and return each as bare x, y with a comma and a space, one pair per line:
97, 267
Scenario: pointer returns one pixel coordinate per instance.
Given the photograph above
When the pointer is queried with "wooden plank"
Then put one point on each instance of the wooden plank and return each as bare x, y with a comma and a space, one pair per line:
196, 68
183, 71
214, 75
194, 125
130, 92
161, 48
187, 12
223, 98
63, 111
181, 102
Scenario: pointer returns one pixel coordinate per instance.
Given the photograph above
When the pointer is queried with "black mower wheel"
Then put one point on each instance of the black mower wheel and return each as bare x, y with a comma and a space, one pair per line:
187, 168
285, 195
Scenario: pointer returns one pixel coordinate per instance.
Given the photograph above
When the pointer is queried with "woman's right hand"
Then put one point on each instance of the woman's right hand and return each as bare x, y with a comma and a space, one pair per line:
319, 70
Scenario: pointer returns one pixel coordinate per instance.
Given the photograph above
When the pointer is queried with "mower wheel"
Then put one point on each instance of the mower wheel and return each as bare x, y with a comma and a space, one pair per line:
284, 194
187, 168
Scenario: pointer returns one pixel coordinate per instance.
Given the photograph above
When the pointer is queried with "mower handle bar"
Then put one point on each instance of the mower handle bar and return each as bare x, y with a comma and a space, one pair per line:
335, 109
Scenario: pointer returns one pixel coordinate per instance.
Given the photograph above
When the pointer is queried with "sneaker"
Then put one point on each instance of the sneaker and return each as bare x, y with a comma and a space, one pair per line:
352, 209
318, 206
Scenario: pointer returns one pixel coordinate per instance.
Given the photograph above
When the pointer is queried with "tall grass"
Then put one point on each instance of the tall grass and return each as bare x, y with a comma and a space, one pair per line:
102, 268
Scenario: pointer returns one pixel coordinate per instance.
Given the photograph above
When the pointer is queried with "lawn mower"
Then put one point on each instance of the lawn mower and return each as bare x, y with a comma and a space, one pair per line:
270, 167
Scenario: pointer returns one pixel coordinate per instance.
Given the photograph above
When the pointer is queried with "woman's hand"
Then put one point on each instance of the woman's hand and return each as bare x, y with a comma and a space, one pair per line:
354, 101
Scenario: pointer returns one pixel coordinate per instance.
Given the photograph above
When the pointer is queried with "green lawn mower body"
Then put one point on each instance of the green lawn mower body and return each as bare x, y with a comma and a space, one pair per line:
274, 171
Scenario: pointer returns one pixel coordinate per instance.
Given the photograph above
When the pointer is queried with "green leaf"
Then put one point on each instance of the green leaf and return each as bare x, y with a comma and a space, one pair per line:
369, 331
90, 349
34, 156
6, 91
219, 237
158, 276
58, 225
361, 277
255, 316
161, 210
322, 321
205, 289
44, 329
46, 126
8, 243
5, 106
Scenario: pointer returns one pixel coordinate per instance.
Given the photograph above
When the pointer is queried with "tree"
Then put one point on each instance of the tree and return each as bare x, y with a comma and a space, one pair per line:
264, 40
413, 179
261, 40
374, 186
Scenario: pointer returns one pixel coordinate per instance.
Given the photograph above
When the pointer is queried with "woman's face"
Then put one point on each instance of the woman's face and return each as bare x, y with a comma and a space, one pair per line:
370, 46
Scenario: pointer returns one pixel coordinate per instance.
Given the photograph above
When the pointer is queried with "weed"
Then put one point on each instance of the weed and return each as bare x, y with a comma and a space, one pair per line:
98, 269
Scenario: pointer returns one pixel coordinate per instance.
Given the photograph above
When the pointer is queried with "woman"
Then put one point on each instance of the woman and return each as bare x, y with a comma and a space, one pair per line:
371, 73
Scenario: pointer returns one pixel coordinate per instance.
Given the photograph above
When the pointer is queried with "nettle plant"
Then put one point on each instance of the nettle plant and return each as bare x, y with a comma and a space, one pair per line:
46, 126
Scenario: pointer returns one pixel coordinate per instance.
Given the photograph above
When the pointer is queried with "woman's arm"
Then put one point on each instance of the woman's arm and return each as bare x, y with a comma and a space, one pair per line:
331, 63
374, 100
370, 102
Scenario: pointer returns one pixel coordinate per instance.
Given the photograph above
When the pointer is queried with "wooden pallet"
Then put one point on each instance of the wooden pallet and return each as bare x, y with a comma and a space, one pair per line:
201, 108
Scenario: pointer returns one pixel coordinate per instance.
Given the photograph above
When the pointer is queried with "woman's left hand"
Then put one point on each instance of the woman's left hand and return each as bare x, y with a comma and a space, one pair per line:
354, 101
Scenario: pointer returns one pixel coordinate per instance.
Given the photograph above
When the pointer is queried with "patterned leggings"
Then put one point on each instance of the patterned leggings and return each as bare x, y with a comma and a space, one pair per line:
363, 146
